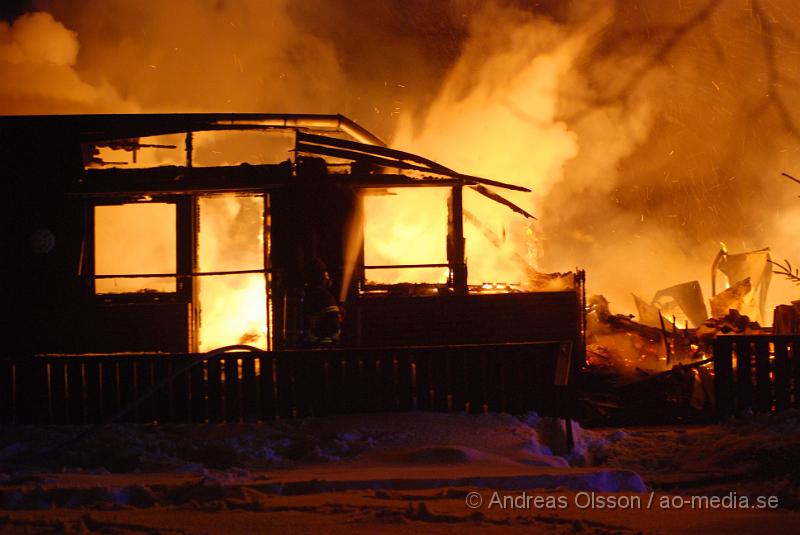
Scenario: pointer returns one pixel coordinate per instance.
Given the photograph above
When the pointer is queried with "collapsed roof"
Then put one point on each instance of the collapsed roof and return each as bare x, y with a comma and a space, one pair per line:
368, 153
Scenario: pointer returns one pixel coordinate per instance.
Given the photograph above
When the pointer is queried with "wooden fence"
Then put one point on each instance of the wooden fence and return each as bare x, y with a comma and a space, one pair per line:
267, 386
759, 372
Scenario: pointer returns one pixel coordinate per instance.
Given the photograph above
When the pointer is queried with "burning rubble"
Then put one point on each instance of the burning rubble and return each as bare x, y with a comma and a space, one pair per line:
679, 312
654, 357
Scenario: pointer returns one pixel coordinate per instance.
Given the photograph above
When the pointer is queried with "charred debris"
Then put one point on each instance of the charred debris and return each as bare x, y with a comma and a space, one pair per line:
660, 368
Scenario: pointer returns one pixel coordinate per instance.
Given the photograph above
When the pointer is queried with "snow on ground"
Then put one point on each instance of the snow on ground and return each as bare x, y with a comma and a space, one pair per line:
397, 472
755, 455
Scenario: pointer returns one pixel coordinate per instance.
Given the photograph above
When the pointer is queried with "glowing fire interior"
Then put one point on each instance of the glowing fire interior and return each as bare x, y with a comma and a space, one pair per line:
233, 308
139, 239
406, 226
135, 239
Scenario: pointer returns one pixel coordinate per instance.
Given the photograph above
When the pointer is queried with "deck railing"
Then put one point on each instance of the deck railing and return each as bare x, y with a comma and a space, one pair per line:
258, 386
757, 372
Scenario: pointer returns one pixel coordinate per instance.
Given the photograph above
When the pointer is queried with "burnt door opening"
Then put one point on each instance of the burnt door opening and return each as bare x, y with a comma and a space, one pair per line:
231, 292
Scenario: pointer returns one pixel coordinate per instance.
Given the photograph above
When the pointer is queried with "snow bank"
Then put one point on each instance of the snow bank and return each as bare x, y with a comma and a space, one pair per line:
757, 454
399, 450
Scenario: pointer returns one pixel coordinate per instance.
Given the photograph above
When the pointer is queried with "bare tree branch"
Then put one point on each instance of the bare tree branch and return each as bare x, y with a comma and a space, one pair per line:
671, 36
774, 82
786, 271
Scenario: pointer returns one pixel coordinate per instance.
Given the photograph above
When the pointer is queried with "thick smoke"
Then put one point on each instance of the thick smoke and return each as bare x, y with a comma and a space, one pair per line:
649, 131
38, 58
649, 134
495, 116
184, 56
685, 123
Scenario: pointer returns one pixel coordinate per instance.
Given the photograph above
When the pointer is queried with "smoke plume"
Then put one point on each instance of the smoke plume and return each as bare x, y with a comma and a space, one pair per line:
648, 134
648, 131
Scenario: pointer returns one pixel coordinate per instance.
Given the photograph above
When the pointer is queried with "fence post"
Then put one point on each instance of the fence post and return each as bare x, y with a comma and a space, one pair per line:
744, 374
763, 384
723, 375
782, 374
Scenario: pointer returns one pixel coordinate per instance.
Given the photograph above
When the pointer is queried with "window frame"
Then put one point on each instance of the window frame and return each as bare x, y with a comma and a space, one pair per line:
184, 243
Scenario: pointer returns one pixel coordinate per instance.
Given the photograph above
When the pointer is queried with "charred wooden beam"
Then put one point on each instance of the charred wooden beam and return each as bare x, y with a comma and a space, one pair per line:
493, 238
182, 180
189, 148
182, 275
455, 241
406, 266
343, 148
486, 192
347, 154
394, 154
104, 127
382, 180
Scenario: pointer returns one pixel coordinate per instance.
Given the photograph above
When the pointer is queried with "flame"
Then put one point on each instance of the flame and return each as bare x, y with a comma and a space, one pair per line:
233, 308
408, 226
495, 116
646, 178
134, 239
233, 311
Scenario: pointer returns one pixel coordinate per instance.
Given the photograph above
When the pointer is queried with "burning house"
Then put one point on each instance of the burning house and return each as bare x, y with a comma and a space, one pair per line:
142, 240
380, 325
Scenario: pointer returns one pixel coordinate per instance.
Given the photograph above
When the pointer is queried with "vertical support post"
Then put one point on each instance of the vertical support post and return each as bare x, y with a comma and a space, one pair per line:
783, 380
579, 356
361, 272
189, 148
186, 221
455, 241
666, 338
744, 374
89, 267
570, 439
267, 241
764, 386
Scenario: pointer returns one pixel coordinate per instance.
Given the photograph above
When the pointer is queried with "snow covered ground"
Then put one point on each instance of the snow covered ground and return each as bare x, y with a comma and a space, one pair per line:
401, 472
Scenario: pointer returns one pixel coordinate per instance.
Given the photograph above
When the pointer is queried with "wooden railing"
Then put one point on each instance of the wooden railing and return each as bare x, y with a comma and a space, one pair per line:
245, 386
759, 373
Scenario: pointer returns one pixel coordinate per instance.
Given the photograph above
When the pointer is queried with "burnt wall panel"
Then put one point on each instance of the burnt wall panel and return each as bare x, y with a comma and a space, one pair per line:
104, 328
42, 233
136, 327
48, 259
470, 319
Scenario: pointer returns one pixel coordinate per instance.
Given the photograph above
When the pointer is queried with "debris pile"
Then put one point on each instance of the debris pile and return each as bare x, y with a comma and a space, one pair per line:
731, 323
787, 319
